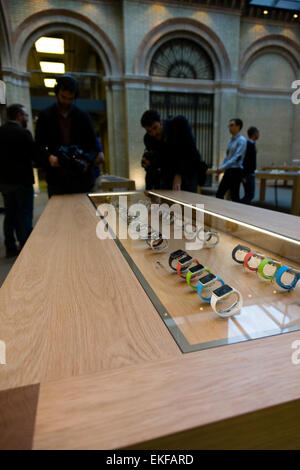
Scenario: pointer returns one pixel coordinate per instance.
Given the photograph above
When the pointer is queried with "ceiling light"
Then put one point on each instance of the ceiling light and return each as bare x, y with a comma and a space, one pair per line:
295, 16
52, 67
265, 12
50, 82
50, 45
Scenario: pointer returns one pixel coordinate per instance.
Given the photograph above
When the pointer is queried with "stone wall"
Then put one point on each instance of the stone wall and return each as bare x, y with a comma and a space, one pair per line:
255, 63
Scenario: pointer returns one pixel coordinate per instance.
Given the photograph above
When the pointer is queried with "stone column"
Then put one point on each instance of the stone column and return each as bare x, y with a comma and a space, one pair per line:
116, 125
136, 102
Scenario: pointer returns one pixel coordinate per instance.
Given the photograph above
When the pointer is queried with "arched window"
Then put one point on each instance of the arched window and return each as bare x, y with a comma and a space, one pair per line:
182, 58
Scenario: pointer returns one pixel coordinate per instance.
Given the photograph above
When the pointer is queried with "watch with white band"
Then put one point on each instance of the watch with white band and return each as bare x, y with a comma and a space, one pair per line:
208, 237
226, 301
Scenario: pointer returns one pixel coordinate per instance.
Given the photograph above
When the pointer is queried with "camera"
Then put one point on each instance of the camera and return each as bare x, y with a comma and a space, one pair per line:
73, 158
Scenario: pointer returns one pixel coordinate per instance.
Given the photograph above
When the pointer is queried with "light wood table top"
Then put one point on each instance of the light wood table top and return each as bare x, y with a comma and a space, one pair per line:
90, 364
294, 176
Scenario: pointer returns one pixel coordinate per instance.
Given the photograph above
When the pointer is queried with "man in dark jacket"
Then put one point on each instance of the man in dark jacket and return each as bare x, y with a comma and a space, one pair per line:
173, 142
63, 124
17, 151
249, 164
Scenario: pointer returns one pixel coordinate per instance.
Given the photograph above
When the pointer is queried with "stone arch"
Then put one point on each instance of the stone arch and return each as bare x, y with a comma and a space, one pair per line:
273, 43
183, 28
48, 21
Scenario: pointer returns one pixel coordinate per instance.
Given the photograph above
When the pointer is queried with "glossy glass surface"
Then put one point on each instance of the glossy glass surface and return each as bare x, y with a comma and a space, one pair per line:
267, 308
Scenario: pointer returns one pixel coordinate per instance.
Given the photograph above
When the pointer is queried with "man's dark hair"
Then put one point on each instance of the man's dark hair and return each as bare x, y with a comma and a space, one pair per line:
238, 122
251, 131
13, 110
67, 82
149, 117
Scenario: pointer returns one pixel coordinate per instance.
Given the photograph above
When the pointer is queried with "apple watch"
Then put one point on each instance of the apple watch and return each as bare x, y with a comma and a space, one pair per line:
239, 253
208, 237
194, 273
226, 301
286, 273
268, 268
174, 258
184, 264
158, 243
252, 260
206, 284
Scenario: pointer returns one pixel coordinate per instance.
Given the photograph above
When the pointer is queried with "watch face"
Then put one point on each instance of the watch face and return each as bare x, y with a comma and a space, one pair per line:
209, 277
186, 259
177, 254
222, 290
196, 269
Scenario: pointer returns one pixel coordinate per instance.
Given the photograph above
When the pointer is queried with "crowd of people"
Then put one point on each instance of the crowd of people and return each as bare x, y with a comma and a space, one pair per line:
69, 151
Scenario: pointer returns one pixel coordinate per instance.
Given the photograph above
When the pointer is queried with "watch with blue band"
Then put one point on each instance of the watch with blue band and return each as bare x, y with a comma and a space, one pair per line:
210, 281
280, 273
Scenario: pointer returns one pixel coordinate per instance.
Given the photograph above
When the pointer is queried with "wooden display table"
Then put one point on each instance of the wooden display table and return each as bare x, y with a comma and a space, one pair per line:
111, 183
91, 365
293, 176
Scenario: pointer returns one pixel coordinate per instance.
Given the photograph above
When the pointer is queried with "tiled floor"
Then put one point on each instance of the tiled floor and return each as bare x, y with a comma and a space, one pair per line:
284, 203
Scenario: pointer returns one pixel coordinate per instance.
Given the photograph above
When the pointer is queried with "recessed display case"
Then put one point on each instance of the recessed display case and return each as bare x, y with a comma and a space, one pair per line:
269, 303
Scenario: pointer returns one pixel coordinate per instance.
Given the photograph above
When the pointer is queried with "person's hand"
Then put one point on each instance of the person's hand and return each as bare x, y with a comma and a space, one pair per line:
99, 159
145, 163
219, 171
177, 183
53, 160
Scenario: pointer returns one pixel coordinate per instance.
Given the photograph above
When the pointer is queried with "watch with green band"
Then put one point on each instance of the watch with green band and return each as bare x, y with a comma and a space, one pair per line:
268, 268
194, 273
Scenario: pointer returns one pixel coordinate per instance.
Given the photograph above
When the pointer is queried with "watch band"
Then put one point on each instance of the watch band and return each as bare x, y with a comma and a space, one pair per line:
209, 239
201, 288
232, 309
239, 248
250, 255
182, 271
280, 272
159, 244
262, 266
190, 276
175, 256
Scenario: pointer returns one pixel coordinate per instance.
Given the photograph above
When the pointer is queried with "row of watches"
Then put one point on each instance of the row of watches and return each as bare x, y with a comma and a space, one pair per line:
285, 276
211, 288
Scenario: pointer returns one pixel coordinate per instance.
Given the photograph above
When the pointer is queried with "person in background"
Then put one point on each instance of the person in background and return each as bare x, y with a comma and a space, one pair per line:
249, 165
232, 165
17, 155
176, 153
64, 124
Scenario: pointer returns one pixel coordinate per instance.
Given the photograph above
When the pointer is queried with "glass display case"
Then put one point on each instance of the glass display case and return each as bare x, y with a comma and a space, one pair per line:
214, 278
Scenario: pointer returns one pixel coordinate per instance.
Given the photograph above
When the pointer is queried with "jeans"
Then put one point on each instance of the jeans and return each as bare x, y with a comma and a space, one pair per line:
18, 203
249, 187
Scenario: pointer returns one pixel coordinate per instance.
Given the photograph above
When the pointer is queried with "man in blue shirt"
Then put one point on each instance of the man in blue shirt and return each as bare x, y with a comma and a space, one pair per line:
232, 165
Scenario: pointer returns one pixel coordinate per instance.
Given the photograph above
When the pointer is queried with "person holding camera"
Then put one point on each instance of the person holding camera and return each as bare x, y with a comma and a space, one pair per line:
67, 142
17, 154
